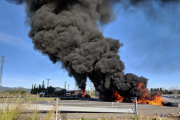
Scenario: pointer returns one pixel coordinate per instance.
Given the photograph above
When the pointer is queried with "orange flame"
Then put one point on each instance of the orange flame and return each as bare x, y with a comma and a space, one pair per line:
83, 93
147, 98
117, 97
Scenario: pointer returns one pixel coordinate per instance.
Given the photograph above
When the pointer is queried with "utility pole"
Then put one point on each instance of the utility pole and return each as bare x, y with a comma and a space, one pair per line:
1, 72
47, 85
68, 86
65, 85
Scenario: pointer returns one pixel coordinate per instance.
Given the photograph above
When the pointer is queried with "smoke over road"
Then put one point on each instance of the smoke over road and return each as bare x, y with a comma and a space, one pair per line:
68, 32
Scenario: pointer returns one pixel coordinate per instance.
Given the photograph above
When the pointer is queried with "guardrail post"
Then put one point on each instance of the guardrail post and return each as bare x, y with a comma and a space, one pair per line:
135, 99
136, 110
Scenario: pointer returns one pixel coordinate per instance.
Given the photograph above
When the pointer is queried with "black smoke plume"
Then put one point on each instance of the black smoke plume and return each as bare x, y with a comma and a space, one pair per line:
68, 32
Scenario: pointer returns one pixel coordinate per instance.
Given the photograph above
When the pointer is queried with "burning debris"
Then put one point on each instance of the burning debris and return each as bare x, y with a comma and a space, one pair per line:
83, 93
67, 31
117, 97
148, 98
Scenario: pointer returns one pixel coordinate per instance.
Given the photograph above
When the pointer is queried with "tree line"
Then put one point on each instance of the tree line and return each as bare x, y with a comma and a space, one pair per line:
172, 90
12, 92
41, 88
48, 90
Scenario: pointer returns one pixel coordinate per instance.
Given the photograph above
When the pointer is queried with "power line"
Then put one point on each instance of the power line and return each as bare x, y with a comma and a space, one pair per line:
1, 72
23, 68
48, 82
16, 66
65, 85
68, 86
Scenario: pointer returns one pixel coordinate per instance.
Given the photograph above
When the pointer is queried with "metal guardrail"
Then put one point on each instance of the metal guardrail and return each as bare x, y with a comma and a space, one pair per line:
42, 107
95, 109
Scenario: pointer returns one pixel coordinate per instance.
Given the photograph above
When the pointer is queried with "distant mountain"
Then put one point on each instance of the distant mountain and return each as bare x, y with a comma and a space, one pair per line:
16, 88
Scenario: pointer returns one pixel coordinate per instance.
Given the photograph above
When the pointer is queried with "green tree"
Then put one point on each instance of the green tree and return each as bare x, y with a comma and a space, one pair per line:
35, 89
51, 90
166, 91
161, 90
151, 90
32, 90
158, 89
43, 86
21, 91
40, 89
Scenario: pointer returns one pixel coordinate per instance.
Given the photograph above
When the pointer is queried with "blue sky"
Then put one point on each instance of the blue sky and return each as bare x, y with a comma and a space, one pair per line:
151, 47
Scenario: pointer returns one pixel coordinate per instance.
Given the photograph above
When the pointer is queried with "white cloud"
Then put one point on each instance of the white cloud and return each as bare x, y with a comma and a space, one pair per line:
13, 40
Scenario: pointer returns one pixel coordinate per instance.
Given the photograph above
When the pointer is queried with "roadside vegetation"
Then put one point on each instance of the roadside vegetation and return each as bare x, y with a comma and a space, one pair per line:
22, 95
16, 94
171, 90
17, 109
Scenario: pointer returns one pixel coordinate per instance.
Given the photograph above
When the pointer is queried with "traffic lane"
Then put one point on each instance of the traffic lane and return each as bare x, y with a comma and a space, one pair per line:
103, 104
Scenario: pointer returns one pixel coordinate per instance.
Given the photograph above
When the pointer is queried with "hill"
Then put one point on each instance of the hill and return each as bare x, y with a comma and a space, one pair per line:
16, 88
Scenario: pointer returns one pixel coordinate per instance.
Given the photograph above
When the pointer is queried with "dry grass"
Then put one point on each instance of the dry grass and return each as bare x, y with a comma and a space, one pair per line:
11, 111
25, 99
138, 117
17, 95
6, 96
16, 109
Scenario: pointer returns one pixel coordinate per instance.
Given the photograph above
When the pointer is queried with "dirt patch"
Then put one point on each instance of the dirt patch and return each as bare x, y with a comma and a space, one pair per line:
100, 116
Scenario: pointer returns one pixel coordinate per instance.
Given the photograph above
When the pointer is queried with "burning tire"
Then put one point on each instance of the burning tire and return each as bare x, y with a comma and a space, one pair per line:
170, 104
